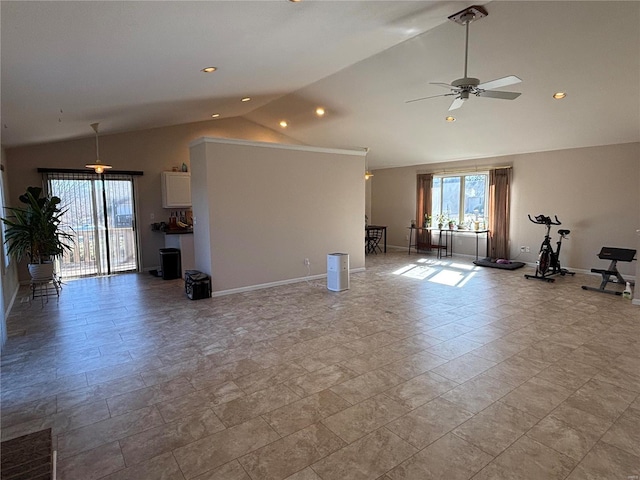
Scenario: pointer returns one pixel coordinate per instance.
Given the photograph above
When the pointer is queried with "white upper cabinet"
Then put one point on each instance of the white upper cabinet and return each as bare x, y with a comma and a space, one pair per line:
176, 189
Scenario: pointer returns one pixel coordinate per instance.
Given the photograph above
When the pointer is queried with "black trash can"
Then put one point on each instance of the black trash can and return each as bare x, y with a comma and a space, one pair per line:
170, 263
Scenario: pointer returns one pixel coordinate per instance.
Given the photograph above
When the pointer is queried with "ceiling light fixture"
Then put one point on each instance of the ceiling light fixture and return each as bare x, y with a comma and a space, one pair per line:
283, 123
559, 95
320, 111
450, 119
215, 115
245, 99
209, 69
98, 167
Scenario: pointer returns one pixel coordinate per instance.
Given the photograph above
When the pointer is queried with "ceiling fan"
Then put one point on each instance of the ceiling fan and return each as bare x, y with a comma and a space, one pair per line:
463, 87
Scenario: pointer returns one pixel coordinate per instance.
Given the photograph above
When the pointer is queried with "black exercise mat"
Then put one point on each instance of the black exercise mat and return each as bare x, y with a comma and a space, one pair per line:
486, 262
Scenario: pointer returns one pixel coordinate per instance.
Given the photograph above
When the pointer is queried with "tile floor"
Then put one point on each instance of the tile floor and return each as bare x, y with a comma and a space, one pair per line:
422, 370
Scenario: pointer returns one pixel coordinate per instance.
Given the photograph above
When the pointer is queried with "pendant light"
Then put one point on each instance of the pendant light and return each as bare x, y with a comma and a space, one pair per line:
98, 166
367, 173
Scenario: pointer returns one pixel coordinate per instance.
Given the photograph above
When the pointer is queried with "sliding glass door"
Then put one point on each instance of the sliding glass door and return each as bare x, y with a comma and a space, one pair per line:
101, 217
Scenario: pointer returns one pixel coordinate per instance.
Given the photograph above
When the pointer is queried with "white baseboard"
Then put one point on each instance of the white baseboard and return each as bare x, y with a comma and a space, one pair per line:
289, 281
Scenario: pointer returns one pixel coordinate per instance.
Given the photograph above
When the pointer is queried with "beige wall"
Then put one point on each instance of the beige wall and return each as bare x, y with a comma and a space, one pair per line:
636, 288
8, 274
367, 200
151, 151
594, 191
261, 209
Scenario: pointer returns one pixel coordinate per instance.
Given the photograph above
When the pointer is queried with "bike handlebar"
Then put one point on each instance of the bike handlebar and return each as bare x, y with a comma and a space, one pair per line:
543, 220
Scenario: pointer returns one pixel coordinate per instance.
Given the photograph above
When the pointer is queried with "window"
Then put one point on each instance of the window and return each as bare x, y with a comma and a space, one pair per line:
460, 198
105, 239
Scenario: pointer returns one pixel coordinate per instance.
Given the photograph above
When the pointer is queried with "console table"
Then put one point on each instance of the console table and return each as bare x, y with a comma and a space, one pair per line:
445, 239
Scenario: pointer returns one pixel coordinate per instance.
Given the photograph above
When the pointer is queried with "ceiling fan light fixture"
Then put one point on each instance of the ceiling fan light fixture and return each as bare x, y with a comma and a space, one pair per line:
462, 88
209, 69
98, 166
559, 95
450, 119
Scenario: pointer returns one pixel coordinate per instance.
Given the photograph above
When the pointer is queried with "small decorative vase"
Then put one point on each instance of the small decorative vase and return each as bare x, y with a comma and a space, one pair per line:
439, 226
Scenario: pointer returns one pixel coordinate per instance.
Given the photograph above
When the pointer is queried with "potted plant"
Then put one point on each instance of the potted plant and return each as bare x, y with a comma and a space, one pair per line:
441, 218
35, 232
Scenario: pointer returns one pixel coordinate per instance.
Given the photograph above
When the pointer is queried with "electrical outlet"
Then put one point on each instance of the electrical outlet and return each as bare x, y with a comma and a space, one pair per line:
528, 250
307, 262
523, 249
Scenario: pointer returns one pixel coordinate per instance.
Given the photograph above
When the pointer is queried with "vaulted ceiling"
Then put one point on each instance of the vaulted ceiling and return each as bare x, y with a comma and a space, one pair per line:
137, 65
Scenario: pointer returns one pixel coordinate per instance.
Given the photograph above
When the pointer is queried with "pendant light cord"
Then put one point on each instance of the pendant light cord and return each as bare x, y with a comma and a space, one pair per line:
95, 129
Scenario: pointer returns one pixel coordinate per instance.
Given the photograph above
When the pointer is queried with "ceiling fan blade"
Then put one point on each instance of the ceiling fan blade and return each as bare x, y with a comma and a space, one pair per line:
457, 103
430, 96
498, 94
500, 82
442, 84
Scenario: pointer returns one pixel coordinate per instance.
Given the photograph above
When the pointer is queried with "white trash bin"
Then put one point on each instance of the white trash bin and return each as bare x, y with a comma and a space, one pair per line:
338, 271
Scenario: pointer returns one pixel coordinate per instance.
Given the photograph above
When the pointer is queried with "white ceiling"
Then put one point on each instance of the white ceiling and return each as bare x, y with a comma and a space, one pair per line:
136, 65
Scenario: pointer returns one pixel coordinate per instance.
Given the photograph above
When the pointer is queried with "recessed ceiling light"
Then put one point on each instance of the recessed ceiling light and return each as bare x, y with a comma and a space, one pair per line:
283, 123
295, 1
245, 99
320, 111
209, 69
559, 95
450, 119
215, 115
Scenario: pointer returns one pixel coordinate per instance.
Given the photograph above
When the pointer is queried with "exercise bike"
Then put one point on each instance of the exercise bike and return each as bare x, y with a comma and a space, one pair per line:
548, 263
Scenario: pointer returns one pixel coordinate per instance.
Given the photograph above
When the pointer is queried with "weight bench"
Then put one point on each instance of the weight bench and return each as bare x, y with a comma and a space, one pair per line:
615, 255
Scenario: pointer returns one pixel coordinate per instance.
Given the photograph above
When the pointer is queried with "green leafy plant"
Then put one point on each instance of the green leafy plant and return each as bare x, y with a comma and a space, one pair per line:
34, 231
442, 218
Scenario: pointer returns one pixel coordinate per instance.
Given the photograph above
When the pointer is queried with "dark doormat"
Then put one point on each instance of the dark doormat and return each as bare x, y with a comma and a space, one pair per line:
29, 457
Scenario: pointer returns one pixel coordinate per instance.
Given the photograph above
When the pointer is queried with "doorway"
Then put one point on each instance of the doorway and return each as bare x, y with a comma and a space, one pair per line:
100, 215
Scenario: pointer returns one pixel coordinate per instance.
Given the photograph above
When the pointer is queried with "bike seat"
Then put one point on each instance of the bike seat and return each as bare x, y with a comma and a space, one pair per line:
564, 232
